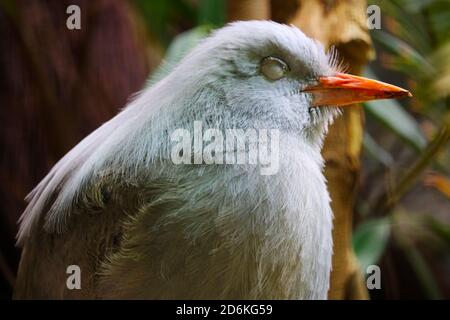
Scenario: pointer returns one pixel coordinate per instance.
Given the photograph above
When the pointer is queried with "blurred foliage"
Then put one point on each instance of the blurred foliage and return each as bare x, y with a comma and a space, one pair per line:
182, 16
393, 116
211, 12
157, 13
370, 239
413, 46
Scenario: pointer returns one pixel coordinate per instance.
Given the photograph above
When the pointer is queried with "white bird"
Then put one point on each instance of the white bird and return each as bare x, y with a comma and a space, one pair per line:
140, 226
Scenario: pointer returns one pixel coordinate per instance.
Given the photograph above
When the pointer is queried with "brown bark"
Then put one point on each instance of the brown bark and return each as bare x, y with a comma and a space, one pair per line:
248, 10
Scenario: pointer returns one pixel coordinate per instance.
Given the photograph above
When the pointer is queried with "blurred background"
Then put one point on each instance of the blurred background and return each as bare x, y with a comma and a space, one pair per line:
388, 164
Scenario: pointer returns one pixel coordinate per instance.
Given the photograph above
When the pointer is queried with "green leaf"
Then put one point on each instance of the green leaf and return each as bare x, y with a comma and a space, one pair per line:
162, 17
416, 5
440, 229
394, 117
399, 48
411, 25
423, 272
156, 15
376, 151
407, 224
211, 12
178, 49
369, 241
438, 15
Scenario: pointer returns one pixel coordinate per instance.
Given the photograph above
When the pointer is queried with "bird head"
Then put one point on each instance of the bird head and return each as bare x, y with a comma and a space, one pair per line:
263, 74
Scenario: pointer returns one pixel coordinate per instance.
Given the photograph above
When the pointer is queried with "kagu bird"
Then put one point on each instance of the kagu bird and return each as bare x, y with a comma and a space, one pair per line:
140, 226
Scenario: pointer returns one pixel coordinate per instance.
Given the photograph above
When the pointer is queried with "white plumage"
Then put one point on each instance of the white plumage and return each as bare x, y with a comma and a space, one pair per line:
244, 235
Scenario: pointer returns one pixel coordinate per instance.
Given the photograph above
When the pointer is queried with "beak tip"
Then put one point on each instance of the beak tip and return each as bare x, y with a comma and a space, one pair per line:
404, 93
400, 94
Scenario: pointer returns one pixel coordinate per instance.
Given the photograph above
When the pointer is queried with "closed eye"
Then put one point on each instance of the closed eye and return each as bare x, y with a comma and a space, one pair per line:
273, 68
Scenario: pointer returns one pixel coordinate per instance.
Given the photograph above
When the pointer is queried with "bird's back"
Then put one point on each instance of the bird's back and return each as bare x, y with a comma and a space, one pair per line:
94, 232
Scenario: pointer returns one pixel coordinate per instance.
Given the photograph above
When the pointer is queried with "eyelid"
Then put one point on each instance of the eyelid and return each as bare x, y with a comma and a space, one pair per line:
271, 62
279, 60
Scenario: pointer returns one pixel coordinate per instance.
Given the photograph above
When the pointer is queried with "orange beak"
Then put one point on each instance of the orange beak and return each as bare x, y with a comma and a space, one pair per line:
344, 89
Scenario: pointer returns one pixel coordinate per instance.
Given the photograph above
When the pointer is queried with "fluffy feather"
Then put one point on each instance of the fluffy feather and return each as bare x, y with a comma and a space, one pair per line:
232, 232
